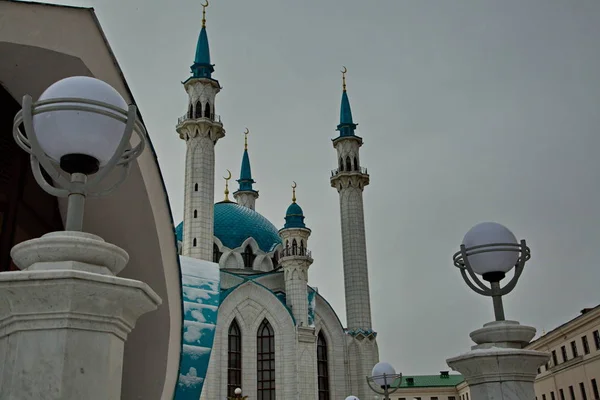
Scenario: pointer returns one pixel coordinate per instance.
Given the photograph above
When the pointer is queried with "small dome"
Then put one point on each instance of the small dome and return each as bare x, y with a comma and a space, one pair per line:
294, 217
234, 224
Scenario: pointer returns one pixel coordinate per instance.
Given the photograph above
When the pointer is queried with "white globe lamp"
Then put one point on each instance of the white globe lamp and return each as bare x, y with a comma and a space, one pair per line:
492, 249
352, 398
81, 141
237, 391
383, 374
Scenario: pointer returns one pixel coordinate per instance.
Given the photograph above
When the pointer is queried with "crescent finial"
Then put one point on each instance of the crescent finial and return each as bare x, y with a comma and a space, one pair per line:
294, 192
204, 5
294, 186
227, 185
228, 177
344, 70
344, 78
246, 132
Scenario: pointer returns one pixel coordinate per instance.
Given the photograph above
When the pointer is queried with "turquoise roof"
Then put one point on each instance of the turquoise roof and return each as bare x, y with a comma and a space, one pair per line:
234, 224
202, 68
246, 180
294, 217
347, 125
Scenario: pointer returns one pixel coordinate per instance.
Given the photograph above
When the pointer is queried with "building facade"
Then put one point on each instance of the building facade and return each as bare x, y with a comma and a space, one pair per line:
573, 372
275, 337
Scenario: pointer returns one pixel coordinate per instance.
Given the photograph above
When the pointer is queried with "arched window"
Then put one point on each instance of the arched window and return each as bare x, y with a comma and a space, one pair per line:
265, 345
216, 253
195, 213
248, 257
198, 111
196, 187
348, 164
275, 259
294, 247
190, 111
322, 370
355, 164
207, 110
234, 359
341, 165
194, 242
301, 247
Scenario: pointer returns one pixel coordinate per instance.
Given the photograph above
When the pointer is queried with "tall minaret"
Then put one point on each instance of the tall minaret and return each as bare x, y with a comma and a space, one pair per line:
349, 180
246, 195
201, 128
295, 260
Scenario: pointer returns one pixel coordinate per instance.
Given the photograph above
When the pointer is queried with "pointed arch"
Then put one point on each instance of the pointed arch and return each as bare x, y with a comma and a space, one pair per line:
198, 110
190, 111
207, 110
348, 164
356, 163
302, 247
234, 358
341, 164
322, 367
294, 247
265, 351
248, 256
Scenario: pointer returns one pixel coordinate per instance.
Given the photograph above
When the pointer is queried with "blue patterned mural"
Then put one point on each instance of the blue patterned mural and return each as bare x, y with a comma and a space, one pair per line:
201, 297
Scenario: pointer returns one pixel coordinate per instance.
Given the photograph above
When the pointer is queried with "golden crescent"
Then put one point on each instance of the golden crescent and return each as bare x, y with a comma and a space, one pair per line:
247, 131
205, 5
228, 178
294, 185
344, 70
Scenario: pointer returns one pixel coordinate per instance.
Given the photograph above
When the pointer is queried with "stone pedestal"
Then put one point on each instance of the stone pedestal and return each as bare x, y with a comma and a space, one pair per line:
498, 367
65, 317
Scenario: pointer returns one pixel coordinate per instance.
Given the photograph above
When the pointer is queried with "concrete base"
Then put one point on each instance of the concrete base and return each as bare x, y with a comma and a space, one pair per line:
498, 367
62, 330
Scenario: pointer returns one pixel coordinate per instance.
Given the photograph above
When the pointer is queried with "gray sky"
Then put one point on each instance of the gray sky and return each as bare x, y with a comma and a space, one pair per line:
470, 110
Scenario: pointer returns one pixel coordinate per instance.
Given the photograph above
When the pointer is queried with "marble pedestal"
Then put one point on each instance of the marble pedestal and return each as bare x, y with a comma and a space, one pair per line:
65, 317
498, 367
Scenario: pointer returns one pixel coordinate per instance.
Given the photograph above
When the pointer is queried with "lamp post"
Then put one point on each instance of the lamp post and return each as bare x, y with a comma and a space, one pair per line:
497, 367
381, 379
65, 315
237, 395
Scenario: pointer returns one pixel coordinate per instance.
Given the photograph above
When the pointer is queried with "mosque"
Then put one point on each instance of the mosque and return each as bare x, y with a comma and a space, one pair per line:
276, 337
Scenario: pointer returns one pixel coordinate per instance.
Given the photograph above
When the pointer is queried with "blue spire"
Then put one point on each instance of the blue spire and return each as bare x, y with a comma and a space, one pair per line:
202, 68
347, 125
294, 216
246, 180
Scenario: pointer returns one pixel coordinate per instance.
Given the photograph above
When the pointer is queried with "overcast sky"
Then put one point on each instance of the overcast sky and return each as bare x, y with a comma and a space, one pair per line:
470, 110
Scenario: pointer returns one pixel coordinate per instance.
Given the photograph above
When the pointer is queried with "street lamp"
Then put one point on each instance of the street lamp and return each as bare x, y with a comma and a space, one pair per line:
80, 126
491, 250
382, 377
352, 398
238, 395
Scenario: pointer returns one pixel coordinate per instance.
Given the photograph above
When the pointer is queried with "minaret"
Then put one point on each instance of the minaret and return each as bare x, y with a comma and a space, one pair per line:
201, 128
295, 260
246, 195
349, 180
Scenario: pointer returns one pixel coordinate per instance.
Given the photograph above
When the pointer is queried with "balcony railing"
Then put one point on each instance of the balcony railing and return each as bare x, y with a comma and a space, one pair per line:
360, 170
187, 117
295, 251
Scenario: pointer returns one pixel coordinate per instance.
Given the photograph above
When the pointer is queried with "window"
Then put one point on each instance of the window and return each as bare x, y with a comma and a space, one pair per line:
597, 340
585, 344
348, 164
196, 187
207, 110
543, 397
248, 257
341, 165
467, 395
294, 247
190, 111
265, 344
194, 242
356, 168
198, 111
552, 396
563, 350
595, 389
562, 394
302, 247
571, 392
582, 389
216, 253
574, 348
554, 357
322, 368
195, 213
434, 398
451, 398
539, 370
234, 359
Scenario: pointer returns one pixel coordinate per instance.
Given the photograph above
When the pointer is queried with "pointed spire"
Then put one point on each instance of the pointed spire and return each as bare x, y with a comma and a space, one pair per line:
347, 125
227, 187
202, 67
246, 180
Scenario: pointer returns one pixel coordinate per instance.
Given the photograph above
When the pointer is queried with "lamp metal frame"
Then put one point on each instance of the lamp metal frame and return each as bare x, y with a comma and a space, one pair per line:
386, 388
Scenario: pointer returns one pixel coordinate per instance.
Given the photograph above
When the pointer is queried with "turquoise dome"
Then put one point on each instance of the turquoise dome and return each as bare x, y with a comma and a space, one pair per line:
294, 217
234, 224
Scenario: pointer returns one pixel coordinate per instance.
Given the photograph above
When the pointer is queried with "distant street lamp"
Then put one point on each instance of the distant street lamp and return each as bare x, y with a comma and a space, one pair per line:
381, 379
491, 250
